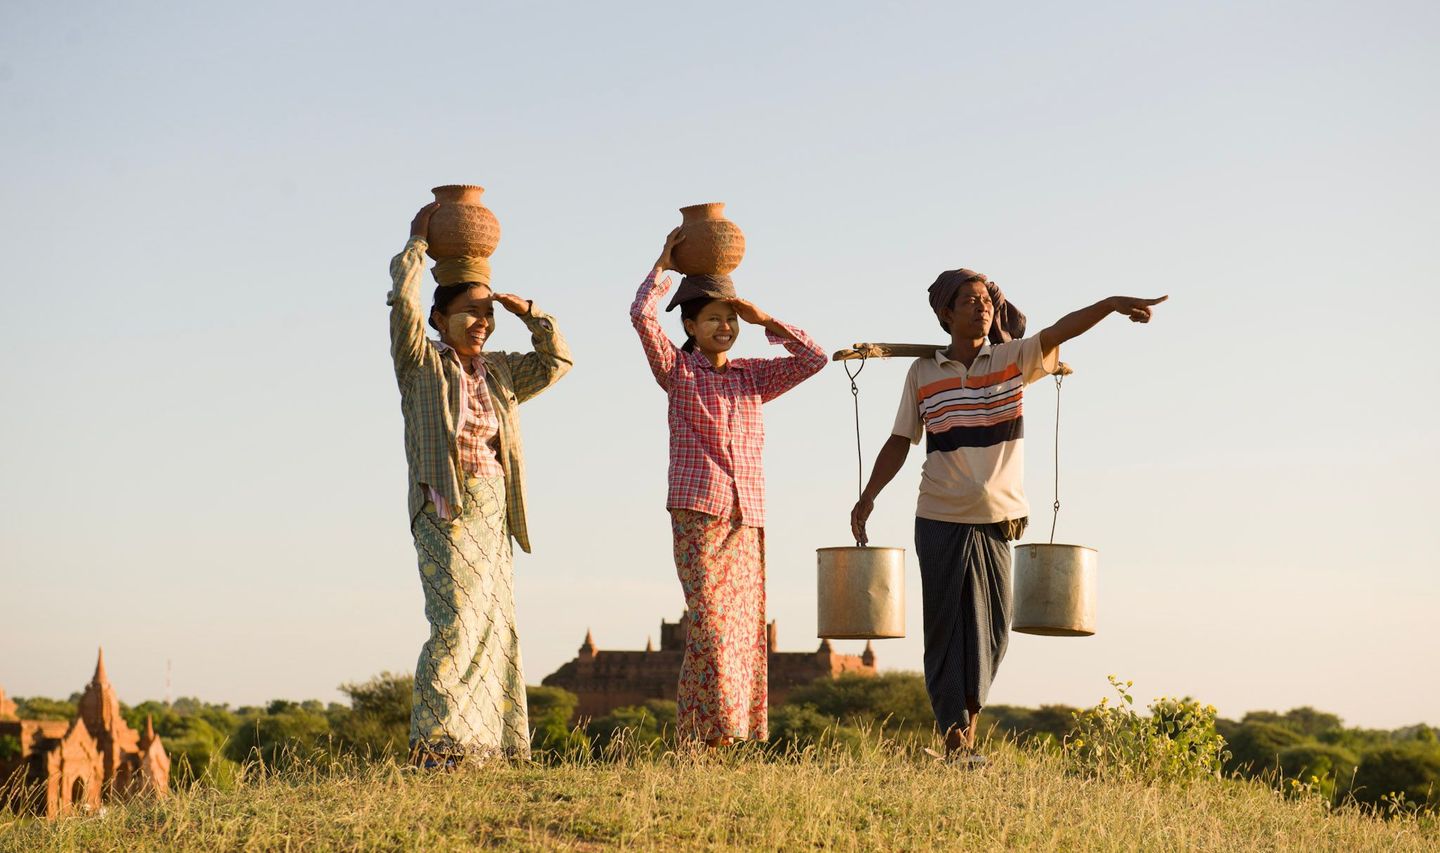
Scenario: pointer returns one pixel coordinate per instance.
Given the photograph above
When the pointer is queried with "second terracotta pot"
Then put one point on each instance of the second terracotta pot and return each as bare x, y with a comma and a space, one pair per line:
713, 245
462, 227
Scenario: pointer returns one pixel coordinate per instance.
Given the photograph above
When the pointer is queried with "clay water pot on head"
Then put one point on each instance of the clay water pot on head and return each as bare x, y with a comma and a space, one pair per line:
1055, 590
462, 227
860, 593
713, 245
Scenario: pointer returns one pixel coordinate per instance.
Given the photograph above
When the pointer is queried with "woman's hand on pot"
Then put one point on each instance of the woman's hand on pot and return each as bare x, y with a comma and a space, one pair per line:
665, 262
420, 225
514, 304
748, 312
858, 516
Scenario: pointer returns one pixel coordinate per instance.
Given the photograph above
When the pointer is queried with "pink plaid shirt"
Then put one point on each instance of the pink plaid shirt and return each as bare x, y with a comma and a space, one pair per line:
478, 429
716, 430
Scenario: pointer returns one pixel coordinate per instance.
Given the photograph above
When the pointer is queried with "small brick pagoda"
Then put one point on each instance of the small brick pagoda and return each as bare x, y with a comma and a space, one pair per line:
606, 680
66, 766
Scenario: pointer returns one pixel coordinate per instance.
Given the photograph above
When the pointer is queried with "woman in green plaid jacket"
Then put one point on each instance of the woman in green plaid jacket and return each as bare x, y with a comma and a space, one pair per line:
467, 497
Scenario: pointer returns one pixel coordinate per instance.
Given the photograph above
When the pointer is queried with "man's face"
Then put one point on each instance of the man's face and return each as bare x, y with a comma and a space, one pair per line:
715, 328
469, 322
970, 314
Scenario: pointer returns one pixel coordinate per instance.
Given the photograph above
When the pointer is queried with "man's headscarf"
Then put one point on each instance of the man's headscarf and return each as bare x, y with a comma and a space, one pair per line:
1007, 322
702, 286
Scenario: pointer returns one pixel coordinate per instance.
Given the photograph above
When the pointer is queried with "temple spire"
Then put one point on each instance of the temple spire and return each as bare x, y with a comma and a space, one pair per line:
101, 677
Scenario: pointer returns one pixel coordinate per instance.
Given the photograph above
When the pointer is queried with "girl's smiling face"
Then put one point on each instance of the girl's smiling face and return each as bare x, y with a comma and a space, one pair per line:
715, 328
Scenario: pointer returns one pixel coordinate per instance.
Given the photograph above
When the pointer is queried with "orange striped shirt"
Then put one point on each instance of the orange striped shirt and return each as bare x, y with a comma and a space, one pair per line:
972, 420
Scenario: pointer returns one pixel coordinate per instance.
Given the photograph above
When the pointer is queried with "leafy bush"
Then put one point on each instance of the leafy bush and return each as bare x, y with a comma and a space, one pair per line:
643, 727
378, 722
1321, 768
897, 699
1255, 747
796, 727
1304, 721
40, 708
285, 733
1176, 743
1410, 770
551, 734
1048, 723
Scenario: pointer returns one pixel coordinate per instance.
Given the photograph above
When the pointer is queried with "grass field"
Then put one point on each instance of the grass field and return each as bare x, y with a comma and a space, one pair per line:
885, 797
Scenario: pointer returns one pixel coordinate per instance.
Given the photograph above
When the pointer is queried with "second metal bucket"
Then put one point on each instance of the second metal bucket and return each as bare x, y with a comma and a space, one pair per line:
1055, 590
860, 593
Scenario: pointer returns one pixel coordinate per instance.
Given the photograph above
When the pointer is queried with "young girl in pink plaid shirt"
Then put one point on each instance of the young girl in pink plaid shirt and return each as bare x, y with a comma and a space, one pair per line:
717, 489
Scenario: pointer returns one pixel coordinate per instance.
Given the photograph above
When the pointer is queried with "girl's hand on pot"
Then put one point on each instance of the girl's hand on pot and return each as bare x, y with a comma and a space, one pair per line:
748, 312
514, 304
420, 225
665, 262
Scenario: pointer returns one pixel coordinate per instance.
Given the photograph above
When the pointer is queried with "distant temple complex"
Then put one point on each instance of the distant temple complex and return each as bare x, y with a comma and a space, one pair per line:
606, 680
71, 765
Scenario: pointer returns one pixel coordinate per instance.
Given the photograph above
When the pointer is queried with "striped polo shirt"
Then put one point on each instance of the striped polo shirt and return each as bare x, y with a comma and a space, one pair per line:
973, 424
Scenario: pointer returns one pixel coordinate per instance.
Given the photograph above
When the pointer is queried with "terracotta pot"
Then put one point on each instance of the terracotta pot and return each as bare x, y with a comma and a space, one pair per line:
713, 245
462, 227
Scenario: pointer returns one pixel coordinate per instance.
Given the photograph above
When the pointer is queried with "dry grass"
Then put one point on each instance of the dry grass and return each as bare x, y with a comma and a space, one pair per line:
888, 797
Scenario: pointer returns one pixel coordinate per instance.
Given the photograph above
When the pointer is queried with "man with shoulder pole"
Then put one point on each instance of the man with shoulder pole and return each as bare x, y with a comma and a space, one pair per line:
966, 401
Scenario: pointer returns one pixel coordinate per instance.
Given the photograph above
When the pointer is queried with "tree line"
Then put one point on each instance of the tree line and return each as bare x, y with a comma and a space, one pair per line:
1302, 750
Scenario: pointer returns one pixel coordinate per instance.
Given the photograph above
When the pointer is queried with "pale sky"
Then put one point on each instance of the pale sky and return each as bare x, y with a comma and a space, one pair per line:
202, 440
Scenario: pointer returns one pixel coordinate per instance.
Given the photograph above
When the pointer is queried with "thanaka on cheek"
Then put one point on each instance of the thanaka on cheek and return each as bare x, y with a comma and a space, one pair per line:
460, 324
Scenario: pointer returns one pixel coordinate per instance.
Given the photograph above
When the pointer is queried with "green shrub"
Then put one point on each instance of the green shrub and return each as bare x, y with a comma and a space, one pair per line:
1304, 721
640, 727
1255, 747
1321, 768
896, 699
798, 727
286, 733
551, 735
1048, 723
1176, 743
40, 708
1409, 770
377, 723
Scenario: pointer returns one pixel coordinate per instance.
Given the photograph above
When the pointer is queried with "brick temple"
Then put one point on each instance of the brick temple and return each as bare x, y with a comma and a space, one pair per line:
72, 765
605, 679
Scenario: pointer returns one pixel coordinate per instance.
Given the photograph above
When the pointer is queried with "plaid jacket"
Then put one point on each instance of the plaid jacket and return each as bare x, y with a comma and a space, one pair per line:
431, 385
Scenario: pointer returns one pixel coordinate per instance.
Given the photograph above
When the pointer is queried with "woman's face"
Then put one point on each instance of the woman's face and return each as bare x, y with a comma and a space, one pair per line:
469, 321
715, 328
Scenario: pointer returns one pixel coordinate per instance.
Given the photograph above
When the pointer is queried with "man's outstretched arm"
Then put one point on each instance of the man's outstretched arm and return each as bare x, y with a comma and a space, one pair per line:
1077, 323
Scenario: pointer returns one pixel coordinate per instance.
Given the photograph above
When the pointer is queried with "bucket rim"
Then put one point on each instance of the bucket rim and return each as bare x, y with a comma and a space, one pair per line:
861, 548
1055, 545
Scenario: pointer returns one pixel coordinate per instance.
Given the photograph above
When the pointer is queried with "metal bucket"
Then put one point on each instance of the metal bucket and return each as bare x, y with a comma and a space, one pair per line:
1055, 590
860, 593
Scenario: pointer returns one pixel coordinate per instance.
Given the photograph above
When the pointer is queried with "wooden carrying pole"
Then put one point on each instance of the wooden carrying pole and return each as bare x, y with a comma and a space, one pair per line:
867, 350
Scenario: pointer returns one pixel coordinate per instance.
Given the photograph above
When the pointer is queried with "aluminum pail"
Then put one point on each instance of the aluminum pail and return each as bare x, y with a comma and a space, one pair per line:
860, 593
1055, 590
